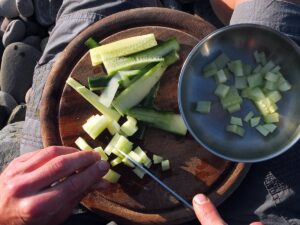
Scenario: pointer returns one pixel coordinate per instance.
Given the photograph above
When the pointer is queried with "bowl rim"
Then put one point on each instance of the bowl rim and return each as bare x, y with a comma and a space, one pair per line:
181, 77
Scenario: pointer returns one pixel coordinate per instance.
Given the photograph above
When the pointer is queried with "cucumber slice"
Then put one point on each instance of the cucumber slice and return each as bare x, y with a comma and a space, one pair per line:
235, 130
110, 91
122, 48
157, 159
203, 106
130, 126
112, 176
91, 43
114, 127
98, 82
222, 90
249, 116
254, 121
261, 129
101, 153
163, 120
111, 144
82, 144
139, 172
236, 121
137, 91
115, 161
93, 99
270, 127
165, 165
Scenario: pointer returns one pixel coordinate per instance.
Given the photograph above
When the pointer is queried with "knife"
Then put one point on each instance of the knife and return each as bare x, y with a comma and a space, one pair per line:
161, 183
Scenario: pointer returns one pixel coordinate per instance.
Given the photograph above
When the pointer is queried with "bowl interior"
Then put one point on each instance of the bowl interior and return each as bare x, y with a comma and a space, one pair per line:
240, 42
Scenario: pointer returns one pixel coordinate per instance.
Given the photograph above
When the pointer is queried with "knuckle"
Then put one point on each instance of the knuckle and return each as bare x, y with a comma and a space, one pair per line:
52, 151
28, 209
14, 188
58, 165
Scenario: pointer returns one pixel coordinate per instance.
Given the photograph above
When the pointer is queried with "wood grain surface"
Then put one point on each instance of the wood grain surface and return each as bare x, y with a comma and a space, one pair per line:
194, 169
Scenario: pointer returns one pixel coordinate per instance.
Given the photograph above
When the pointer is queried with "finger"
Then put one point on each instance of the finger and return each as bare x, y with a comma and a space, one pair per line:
74, 187
61, 167
45, 155
26, 156
206, 211
256, 223
103, 184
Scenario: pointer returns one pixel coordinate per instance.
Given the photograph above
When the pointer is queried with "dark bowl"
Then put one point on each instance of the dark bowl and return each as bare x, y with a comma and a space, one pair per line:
239, 42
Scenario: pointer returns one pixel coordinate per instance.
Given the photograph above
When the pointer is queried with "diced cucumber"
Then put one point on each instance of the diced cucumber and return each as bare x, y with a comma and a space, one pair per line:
236, 121
127, 162
234, 108
270, 127
254, 121
101, 153
82, 144
232, 98
157, 159
271, 118
236, 130
115, 161
112, 176
257, 69
203, 106
124, 145
122, 48
163, 120
249, 116
222, 90
274, 96
141, 154
147, 163
247, 69
221, 76
113, 127
137, 91
165, 165
210, 70
95, 126
236, 67
268, 67
240, 82
112, 144
221, 61
135, 157
139, 172
93, 99
130, 126
261, 129
255, 80
272, 76
270, 85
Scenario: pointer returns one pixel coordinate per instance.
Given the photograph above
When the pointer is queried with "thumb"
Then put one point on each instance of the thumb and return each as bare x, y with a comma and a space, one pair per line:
206, 212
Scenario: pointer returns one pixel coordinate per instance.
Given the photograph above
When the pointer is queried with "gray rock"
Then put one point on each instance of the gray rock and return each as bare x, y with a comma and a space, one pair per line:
14, 32
34, 41
18, 114
46, 11
10, 137
28, 95
112, 223
44, 43
34, 29
7, 101
16, 77
8, 8
25, 7
3, 116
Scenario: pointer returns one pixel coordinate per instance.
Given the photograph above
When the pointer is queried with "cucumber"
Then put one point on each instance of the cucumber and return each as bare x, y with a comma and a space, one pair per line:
167, 121
122, 48
142, 58
137, 91
93, 99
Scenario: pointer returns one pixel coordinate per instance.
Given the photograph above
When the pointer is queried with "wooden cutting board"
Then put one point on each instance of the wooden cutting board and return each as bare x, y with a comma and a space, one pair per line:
194, 169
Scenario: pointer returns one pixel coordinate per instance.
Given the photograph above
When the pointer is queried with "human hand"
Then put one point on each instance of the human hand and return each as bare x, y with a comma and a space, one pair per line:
27, 195
207, 213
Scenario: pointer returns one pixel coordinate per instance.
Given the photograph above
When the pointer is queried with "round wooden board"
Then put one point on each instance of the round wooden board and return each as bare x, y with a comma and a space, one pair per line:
194, 169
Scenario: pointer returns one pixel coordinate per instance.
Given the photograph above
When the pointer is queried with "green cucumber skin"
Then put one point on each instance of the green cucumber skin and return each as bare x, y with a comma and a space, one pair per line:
167, 121
137, 91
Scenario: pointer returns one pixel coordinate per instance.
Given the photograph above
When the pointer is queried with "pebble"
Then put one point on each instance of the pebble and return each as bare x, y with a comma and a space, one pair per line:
25, 58
10, 137
112, 223
3, 116
14, 32
7, 101
18, 114
34, 41
25, 7
8, 8
46, 11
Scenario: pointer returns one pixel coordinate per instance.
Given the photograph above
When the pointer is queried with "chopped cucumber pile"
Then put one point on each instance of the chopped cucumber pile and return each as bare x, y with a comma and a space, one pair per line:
134, 68
263, 84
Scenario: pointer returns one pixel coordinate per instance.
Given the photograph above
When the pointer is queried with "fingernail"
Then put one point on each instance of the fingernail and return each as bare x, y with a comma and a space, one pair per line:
103, 166
200, 199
